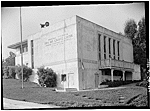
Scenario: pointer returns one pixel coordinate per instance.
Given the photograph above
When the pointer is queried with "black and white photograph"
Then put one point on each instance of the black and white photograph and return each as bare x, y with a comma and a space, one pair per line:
82, 56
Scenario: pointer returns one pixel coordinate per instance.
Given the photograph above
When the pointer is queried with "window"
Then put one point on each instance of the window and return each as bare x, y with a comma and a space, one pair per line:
99, 46
109, 48
63, 77
104, 47
25, 49
114, 48
32, 55
118, 50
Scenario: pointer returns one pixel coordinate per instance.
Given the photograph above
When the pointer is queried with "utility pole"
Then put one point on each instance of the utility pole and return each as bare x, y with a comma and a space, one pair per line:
21, 47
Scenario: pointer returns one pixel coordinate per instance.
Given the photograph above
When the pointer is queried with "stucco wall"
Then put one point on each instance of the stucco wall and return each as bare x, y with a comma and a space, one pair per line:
87, 36
18, 59
108, 77
56, 47
127, 50
137, 72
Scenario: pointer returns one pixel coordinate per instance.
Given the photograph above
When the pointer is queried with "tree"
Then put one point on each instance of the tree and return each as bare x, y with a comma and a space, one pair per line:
137, 32
130, 28
9, 61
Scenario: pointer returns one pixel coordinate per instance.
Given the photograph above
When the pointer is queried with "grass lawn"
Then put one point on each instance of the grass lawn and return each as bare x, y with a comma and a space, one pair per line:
33, 93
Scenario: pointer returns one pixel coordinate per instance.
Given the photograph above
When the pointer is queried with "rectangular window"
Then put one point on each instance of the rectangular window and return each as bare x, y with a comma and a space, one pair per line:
114, 48
63, 77
32, 55
99, 46
118, 50
109, 48
104, 47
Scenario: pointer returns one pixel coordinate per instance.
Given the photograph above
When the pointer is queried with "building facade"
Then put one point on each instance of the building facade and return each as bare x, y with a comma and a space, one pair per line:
82, 53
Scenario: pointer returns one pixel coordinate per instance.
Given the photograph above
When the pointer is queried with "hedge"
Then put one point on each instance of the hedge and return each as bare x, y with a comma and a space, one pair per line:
118, 83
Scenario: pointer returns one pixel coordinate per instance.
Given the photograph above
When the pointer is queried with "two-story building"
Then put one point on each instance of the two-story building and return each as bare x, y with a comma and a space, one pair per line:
82, 53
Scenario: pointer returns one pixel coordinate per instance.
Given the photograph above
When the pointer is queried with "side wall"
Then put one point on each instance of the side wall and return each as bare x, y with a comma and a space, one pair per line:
56, 47
25, 58
127, 50
87, 36
137, 72
87, 54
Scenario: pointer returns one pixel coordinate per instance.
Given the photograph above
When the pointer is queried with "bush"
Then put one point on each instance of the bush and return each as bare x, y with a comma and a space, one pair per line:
26, 72
116, 83
143, 84
5, 72
12, 73
47, 77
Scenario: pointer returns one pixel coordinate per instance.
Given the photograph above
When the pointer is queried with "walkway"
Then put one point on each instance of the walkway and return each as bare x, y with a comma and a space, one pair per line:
14, 104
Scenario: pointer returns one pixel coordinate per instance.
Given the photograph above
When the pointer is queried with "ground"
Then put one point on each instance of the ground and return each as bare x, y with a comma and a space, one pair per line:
132, 95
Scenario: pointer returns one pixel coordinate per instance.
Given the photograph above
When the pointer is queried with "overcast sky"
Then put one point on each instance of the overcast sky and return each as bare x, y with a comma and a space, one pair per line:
112, 17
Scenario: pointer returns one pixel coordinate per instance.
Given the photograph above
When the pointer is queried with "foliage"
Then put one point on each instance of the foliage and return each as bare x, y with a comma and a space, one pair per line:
10, 61
26, 72
130, 28
118, 83
5, 72
137, 32
12, 73
47, 77
143, 84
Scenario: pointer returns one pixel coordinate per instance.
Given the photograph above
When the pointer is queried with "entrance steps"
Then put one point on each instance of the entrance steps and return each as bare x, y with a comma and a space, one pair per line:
71, 89
59, 89
102, 86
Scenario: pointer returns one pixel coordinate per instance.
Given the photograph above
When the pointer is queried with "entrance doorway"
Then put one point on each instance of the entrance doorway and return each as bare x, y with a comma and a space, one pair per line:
71, 80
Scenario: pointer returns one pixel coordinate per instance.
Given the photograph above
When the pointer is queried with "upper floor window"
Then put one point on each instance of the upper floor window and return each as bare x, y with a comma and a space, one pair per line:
24, 49
114, 48
118, 50
99, 46
109, 48
104, 47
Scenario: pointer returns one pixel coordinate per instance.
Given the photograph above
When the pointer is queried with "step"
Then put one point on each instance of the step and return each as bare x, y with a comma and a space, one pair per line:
102, 86
71, 89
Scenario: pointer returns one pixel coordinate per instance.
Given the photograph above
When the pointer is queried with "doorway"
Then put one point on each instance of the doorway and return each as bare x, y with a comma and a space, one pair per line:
71, 80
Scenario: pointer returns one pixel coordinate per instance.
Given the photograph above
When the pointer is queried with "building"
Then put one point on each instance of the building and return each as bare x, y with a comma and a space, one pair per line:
82, 53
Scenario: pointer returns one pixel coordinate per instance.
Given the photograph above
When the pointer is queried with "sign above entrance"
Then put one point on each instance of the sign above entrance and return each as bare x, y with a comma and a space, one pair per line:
58, 40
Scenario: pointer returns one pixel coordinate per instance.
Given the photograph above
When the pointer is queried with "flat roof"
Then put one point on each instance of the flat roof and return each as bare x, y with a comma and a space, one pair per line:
16, 45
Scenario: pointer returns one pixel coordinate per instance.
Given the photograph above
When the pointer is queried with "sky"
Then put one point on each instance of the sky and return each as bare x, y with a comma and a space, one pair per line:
109, 16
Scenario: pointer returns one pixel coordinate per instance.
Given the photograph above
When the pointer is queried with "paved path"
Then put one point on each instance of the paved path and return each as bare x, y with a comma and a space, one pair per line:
14, 104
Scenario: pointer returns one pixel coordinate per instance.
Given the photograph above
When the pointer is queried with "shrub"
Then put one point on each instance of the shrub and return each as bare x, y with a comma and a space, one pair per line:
5, 72
143, 84
26, 72
47, 77
116, 83
12, 73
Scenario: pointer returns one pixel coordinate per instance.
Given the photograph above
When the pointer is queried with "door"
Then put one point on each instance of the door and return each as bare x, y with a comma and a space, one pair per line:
71, 80
96, 80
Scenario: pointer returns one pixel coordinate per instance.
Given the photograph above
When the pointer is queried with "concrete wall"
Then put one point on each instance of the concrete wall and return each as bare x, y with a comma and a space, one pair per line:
56, 47
127, 50
87, 53
108, 77
87, 36
137, 72
25, 58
